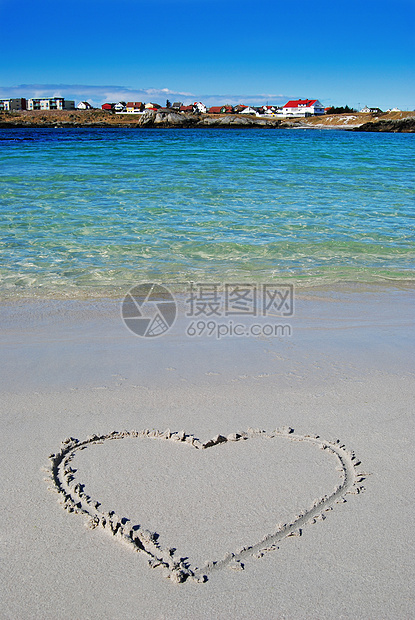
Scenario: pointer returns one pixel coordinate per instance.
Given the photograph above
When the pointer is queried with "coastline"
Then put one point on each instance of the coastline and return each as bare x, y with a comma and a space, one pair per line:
93, 119
72, 369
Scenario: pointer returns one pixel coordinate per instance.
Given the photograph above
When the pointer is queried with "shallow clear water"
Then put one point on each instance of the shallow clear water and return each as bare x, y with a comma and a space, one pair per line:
91, 212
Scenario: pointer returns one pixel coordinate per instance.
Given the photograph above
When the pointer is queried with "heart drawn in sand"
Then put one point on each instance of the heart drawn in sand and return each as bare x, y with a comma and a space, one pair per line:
74, 499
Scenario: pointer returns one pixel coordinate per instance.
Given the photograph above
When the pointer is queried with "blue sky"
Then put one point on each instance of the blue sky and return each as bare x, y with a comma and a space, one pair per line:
355, 53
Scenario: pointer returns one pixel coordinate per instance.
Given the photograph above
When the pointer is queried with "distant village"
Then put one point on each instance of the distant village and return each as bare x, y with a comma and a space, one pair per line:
297, 108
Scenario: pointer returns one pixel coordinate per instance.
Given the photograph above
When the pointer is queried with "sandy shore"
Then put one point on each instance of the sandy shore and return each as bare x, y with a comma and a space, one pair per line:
72, 369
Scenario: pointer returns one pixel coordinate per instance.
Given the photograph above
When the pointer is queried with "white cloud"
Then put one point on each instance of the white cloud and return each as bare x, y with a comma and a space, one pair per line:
96, 95
248, 99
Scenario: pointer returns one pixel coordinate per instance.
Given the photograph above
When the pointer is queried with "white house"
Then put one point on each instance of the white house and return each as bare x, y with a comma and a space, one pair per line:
366, 110
269, 111
50, 103
121, 106
199, 107
248, 110
302, 107
84, 105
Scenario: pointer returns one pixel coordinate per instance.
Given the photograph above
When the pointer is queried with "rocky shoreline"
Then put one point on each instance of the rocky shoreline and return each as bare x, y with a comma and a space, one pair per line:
406, 125
162, 119
99, 119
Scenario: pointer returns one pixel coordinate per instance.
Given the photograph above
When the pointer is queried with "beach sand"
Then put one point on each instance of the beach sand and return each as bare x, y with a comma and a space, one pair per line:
72, 369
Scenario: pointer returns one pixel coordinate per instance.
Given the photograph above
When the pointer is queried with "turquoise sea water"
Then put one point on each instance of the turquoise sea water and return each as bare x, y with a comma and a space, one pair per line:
91, 212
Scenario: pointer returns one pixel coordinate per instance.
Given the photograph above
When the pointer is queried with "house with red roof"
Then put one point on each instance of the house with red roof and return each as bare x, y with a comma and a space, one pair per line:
302, 107
134, 107
152, 106
107, 106
216, 109
224, 109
